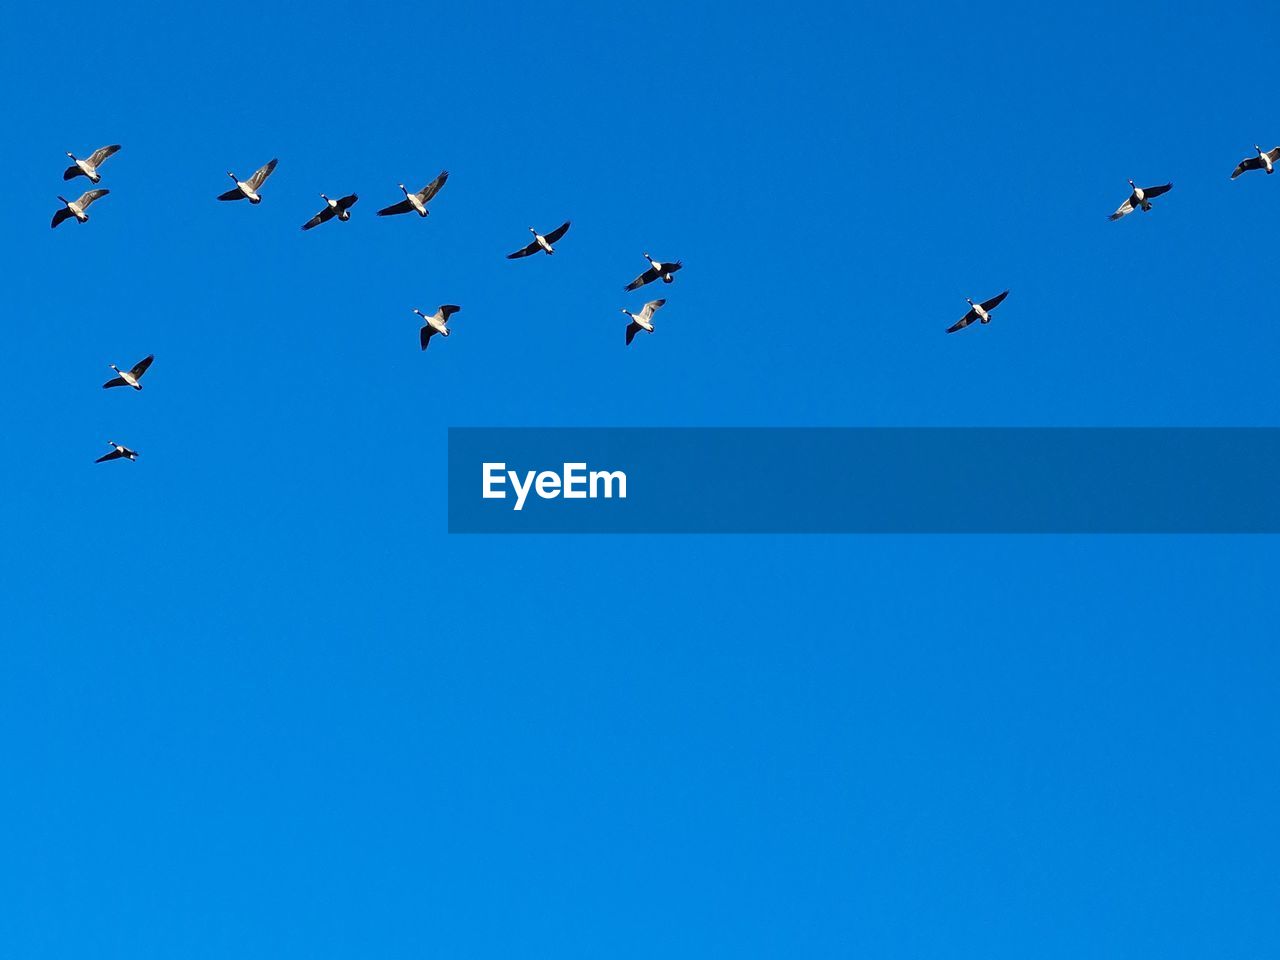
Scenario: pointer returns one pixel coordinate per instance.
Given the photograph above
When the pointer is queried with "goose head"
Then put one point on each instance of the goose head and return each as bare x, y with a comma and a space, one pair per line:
232, 176
64, 200
72, 156
402, 187
324, 198
1258, 148
533, 231
968, 301
1132, 184
114, 367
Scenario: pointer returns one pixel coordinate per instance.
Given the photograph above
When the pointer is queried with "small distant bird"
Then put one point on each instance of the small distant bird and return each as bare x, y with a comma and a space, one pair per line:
1265, 160
333, 208
416, 202
120, 451
129, 378
642, 320
1141, 197
435, 323
89, 167
248, 189
656, 270
77, 208
540, 242
978, 311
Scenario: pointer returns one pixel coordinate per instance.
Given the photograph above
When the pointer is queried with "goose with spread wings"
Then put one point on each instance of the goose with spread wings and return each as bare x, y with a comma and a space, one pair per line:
416, 202
248, 189
340, 208
436, 323
1140, 199
118, 452
88, 166
978, 311
1265, 160
540, 242
78, 208
642, 320
132, 377
657, 269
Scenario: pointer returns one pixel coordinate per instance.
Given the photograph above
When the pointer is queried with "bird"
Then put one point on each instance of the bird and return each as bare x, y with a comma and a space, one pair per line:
77, 208
248, 189
540, 242
120, 451
129, 378
435, 323
89, 167
339, 208
1141, 197
416, 202
978, 311
642, 320
1265, 160
656, 270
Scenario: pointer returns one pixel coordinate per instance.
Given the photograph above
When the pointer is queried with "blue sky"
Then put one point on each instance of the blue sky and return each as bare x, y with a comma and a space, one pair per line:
256, 703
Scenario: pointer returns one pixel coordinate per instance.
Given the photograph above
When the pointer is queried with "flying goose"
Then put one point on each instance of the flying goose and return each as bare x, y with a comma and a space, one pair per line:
1265, 160
642, 320
1141, 197
89, 167
248, 189
129, 378
339, 208
77, 208
435, 323
978, 311
656, 270
120, 451
540, 242
416, 202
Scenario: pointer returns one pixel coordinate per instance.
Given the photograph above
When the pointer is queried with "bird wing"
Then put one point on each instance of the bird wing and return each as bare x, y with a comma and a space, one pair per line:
89, 196
102, 153
525, 251
61, 215
648, 276
994, 301
558, 232
447, 310
234, 193
432, 188
1152, 192
347, 202
632, 329
260, 175
1250, 163
319, 218
72, 172
672, 267
650, 308
425, 335
404, 206
1274, 154
963, 322
140, 367
114, 382
113, 455
1123, 210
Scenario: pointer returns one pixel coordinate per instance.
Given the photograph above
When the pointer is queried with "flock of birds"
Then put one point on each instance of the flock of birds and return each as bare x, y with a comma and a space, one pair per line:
416, 202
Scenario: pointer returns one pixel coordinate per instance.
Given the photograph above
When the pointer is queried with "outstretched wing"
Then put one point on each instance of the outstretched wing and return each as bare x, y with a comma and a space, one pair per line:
1152, 192
1123, 210
404, 206
347, 202
994, 301
963, 322
558, 232
525, 251
113, 455
89, 196
447, 310
1273, 154
140, 367
72, 172
650, 308
432, 188
425, 335
233, 194
632, 329
260, 175
1251, 163
648, 276
61, 215
114, 382
102, 153
319, 218
672, 267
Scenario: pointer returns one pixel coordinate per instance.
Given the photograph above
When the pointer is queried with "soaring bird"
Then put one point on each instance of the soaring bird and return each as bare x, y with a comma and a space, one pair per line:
642, 320
540, 242
436, 322
248, 189
656, 270
1141, 197
1265, 160
332, 208
77, 208
129, 378
89, 167
119, 451
416, 202
978, 311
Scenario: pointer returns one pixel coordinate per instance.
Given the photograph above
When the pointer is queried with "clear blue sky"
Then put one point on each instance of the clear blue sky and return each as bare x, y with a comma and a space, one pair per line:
254, 702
